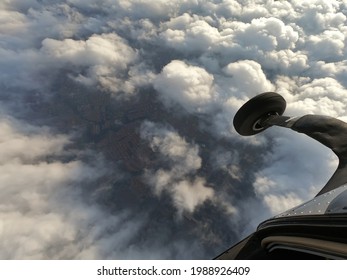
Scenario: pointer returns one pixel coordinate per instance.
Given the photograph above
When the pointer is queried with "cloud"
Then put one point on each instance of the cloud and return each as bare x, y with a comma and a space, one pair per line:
98, 49
171, 145
184, 160
285, 61
318, 16
328, 46
190, 33
103, 58
186, 85
277, 203
48, 206
247, 78
12, 21
288, 180
39, 219
266, 34
15, 139
188, 195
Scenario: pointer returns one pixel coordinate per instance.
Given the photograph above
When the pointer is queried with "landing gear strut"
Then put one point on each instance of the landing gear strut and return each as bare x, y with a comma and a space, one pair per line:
266, 110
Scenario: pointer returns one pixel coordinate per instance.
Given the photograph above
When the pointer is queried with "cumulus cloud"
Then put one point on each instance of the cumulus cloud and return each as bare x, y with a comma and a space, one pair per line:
328, 46
106, 48
203, 58
190, 33
187, 85
102, 57
266, 34
183, 160
318, 16
189, 195
247, 77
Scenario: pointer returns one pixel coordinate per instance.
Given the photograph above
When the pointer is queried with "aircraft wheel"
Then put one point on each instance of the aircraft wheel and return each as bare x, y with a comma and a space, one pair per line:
248, 118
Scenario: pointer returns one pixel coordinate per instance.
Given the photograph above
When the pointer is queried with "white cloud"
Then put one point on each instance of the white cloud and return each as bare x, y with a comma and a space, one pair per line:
179, 179
285, 61
263, 185
42, 213
316, 16
96, 50
276, 203
247, 78
106, 57
12, 21
190, 34
325, 96
187, 85
189, 195
266, 34
327, 46
183, 160
31, 143
100, 59
170, 144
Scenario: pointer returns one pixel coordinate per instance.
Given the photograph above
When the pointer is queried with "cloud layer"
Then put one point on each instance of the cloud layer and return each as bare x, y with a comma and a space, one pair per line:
116, 122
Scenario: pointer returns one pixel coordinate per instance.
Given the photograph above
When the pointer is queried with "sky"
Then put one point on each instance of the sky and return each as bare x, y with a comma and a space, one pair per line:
63, 198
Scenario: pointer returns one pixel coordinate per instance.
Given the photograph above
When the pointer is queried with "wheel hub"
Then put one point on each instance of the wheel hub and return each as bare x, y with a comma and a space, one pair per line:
260, 124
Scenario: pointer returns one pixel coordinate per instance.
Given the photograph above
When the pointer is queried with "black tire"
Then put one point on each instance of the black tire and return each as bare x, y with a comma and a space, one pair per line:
247, 118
